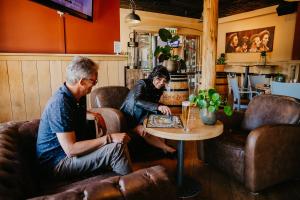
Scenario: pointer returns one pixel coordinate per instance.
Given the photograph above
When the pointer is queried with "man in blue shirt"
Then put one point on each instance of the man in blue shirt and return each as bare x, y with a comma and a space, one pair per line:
62, 146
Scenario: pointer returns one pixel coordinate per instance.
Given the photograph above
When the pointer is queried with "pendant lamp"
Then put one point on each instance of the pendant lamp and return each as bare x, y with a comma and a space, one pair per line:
132, 18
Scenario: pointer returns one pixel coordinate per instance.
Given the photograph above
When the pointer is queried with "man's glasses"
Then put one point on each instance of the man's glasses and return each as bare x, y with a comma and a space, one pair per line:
94, 82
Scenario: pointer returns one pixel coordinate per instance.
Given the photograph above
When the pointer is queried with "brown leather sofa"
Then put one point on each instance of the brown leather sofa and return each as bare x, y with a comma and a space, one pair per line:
19, 177
261, 146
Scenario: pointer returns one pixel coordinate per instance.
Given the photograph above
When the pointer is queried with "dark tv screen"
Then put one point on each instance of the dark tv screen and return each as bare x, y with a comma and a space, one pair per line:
77, 8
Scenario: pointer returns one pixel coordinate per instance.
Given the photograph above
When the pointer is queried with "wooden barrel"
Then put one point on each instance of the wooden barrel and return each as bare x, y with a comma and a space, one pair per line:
221, 84
176, 92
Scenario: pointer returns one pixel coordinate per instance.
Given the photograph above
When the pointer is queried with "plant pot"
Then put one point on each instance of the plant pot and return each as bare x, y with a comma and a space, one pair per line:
171, 65
220, 68
208, 118
263, 60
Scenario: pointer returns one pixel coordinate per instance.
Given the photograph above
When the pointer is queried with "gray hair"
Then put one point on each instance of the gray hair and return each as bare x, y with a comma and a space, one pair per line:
80, 68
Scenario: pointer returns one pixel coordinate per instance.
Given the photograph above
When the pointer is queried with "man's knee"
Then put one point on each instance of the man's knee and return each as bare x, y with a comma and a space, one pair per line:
117, 147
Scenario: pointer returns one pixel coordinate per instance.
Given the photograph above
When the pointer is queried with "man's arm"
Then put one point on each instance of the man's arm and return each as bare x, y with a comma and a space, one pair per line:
72, 148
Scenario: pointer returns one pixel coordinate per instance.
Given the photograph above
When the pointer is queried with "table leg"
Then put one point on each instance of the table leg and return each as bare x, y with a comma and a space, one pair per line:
245, 84
180, 163
186, 186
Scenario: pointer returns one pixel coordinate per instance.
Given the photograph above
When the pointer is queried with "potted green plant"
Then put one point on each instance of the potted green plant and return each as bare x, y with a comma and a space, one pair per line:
166, 53
221, 61
209, 102
279, 77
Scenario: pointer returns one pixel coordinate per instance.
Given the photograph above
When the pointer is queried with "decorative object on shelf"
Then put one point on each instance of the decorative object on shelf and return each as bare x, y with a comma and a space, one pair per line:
132, 18
221, 63
279, 77
132, 50
166, 53
209, 102
263, 57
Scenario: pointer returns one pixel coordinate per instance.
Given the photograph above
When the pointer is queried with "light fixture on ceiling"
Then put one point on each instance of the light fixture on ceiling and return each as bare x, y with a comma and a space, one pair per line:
132, 18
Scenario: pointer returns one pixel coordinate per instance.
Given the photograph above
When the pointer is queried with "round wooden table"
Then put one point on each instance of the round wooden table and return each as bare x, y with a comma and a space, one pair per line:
186, 187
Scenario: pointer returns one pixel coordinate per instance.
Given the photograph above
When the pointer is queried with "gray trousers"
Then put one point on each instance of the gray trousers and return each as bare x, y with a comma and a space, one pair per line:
113, 156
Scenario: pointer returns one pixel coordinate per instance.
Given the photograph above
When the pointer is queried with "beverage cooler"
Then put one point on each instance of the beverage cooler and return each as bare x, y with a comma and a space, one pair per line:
141, 60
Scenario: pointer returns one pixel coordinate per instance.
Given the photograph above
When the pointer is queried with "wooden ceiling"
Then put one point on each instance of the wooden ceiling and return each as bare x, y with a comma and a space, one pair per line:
193, 8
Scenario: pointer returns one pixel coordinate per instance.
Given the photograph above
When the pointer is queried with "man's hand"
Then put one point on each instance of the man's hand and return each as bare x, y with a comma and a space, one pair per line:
120, 137
164, 110
140, 130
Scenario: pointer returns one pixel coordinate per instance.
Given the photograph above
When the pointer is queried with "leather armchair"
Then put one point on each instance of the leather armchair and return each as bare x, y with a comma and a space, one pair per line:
20, 179
260, 147
108, 97
111, 98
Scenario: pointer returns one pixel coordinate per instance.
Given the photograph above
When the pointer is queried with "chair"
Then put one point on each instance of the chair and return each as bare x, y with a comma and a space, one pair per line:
259, 147
257, 79
108, 97
239, 102
286, 89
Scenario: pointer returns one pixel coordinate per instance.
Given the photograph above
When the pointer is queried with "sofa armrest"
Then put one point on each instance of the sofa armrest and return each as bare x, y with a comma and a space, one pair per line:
147, 184
114, 119
231, 122
271, 155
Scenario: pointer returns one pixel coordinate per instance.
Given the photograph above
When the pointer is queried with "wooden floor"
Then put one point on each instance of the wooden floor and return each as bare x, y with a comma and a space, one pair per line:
218, 186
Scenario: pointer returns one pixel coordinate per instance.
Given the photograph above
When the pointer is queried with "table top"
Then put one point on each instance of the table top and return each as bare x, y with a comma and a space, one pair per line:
198, 131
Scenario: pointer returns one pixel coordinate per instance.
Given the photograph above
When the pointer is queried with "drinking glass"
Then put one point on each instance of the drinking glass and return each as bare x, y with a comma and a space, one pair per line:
185, 115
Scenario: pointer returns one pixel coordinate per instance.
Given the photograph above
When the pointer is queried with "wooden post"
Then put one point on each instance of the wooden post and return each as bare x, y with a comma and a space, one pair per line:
209, 43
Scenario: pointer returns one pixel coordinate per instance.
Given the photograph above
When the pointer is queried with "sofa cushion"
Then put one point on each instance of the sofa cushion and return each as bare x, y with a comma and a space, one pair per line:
147, 184
13, 181
271, 109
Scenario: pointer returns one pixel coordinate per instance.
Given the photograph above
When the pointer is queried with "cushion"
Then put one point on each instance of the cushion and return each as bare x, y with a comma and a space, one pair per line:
271, 109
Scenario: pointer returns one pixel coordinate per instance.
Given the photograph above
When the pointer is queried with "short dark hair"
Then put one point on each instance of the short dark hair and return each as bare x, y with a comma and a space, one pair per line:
160, 72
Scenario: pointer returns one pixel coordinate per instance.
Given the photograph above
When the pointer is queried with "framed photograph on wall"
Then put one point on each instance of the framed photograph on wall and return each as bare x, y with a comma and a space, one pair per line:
250, 41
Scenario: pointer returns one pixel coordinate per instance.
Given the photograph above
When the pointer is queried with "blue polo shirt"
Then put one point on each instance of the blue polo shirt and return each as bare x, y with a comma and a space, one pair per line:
63, 113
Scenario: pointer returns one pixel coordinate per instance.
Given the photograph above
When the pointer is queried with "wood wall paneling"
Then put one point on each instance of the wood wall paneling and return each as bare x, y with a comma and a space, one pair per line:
56, 75
28, 81
122, 65
44, 83
5, 103
16, 90
113, 73
103, 74
31, 95
64, 65
296, 43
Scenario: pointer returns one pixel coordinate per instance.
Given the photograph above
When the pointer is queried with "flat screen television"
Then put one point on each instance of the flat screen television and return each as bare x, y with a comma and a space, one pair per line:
77, 8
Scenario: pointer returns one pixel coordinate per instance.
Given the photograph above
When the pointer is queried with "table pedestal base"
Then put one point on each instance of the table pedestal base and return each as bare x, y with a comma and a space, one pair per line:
189, 188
